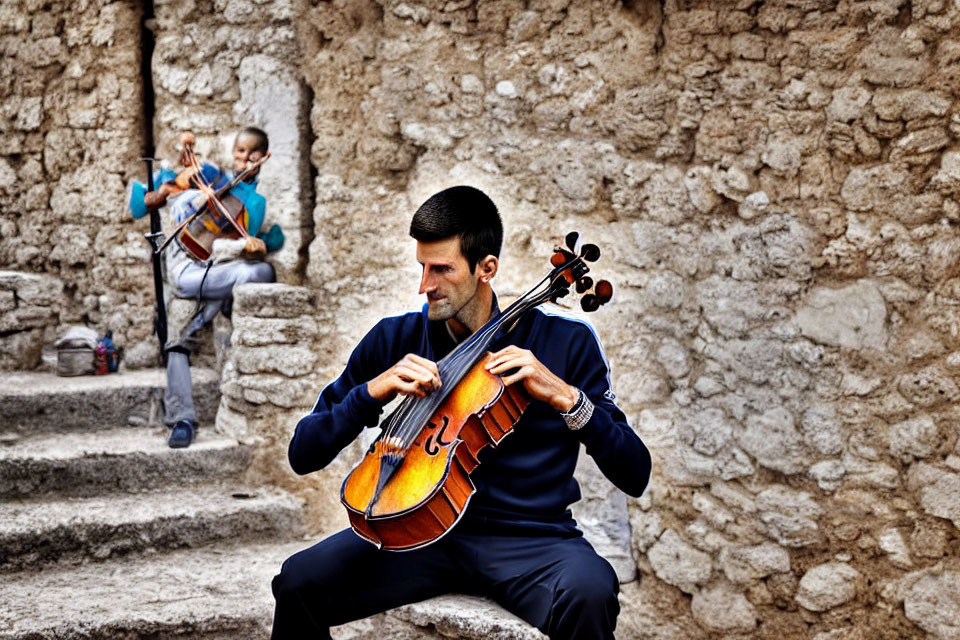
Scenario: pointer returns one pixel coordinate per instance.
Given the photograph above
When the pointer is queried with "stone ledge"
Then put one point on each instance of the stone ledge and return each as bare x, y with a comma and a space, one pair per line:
125, 459
449, 616
33, 401
32, 288
40, 532
29, 304
460, 616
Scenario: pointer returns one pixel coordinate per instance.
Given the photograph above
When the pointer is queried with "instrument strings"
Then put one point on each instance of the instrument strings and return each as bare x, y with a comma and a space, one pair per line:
407, 420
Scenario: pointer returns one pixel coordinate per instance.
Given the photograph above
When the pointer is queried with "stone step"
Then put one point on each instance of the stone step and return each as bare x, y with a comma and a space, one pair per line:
38, 532
451, 616
125, 459
35, 401
213, 593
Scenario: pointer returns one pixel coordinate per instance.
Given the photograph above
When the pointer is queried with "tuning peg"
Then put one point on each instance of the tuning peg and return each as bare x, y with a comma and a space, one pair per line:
589, 303
604, 291
571, 240
584, 284
559, 294
561, 257
590, 252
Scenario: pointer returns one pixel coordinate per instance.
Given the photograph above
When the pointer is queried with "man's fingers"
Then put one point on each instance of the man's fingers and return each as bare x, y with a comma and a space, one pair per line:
429, 365
520, 374
408, 371
411, 388
507, 362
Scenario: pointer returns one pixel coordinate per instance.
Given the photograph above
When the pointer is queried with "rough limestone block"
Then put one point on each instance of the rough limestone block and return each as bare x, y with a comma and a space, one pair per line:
646, 527
892, 542
21, 350
933, 603
745, 564
789, 516
274, 300
938, 489
679, 563
853, 317
34, 402
32, 288
8, 301
827, 586
27, 301
290, 361
261, 388
652, 610
928, 387
774, 441
459, 616
251, 331
723, 609
822, 430
915, 437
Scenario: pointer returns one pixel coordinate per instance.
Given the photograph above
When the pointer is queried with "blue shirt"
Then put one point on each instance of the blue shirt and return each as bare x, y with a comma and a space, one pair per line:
525, 483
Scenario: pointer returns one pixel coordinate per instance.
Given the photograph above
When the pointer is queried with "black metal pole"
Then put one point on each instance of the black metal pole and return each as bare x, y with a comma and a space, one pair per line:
154, 237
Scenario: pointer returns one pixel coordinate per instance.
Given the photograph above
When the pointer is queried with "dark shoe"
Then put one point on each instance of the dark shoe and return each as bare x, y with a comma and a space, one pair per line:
181, 435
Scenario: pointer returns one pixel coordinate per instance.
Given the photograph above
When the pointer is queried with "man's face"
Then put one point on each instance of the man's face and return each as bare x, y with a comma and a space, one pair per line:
446, 278
244, 150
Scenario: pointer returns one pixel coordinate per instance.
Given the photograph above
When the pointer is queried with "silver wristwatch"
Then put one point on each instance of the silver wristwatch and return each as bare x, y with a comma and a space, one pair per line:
580, 413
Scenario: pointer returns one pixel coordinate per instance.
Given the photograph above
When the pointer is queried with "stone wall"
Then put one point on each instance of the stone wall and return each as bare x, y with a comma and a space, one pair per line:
70, 137
29, 309
73, 131
222, 65
773, 186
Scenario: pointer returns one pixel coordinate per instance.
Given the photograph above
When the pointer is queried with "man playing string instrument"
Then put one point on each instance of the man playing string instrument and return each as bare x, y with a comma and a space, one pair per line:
210, 281
517, 543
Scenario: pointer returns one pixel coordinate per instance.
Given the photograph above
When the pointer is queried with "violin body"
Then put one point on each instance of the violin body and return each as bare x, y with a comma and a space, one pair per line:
428, 493
196, 238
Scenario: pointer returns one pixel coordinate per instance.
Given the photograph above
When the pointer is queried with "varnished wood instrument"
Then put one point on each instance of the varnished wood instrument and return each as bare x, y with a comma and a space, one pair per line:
211, 214
413, 484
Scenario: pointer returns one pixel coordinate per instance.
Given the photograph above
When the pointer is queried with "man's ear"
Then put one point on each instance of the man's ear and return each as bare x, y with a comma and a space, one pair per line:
487, 268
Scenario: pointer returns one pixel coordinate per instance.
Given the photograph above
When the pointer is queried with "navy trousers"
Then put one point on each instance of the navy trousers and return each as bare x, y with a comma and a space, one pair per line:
558, 584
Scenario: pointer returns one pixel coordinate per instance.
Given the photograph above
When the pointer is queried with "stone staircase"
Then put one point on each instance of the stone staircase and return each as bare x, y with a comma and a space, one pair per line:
108, 533
105, 532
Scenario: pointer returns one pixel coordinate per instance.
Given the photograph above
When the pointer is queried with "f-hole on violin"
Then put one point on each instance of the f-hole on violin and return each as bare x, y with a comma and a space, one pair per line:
413, 484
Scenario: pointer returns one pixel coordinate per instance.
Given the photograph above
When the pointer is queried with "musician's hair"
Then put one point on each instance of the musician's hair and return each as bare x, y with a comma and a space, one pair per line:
463, 212
263, 142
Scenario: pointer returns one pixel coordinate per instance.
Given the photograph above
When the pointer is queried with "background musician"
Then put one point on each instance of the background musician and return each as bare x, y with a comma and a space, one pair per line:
517, 542
211, 282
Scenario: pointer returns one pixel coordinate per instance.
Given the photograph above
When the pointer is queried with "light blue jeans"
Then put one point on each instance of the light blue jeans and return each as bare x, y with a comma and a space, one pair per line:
213, 288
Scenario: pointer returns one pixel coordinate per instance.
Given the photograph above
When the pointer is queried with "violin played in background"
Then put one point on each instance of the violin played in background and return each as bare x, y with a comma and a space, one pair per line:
213, 213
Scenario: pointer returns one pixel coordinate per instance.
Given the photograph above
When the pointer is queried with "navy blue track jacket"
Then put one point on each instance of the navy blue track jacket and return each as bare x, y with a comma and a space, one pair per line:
525, 484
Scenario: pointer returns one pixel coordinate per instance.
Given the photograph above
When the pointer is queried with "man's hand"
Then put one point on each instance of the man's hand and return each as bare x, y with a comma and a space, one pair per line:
255, 246
412, 376
158, 198
540, 382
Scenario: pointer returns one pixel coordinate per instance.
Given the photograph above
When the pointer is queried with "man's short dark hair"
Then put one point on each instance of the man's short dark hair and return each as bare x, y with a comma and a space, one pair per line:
463, 212
263, 142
